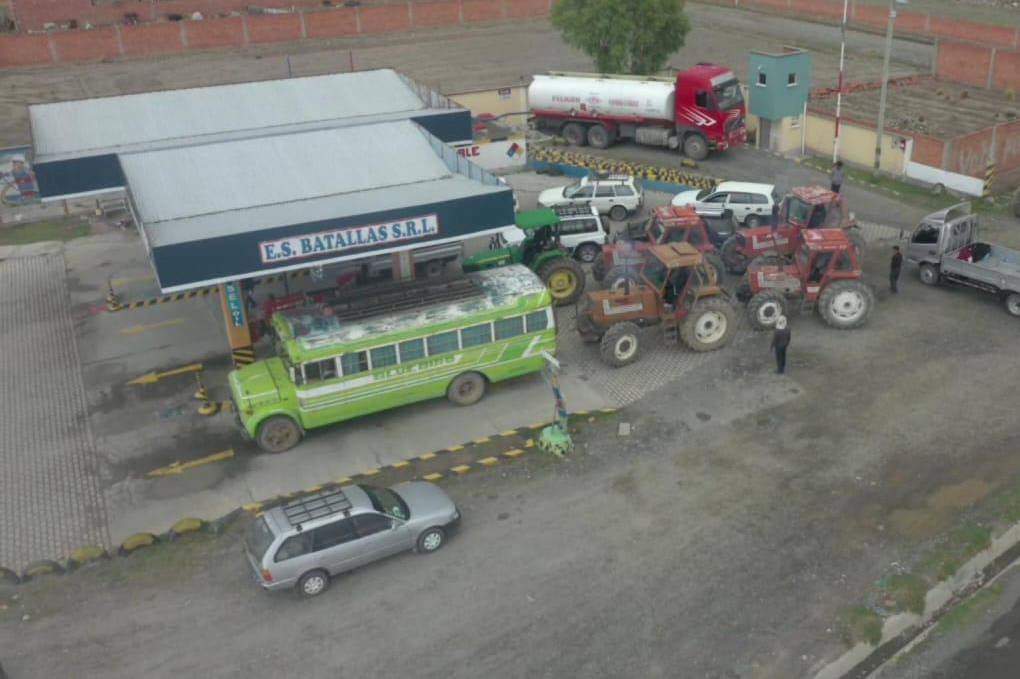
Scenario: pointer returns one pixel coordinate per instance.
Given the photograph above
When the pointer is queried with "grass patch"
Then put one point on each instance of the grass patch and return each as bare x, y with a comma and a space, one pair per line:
861, 624
945, 558
50, 229
967, 612
1007, 503
907, 592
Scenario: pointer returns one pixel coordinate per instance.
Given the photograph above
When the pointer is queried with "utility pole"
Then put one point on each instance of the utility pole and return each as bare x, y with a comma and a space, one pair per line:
842, 69
885, 83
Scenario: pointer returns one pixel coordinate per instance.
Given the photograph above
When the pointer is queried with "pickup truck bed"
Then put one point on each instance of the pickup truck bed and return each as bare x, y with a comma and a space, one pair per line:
991, 265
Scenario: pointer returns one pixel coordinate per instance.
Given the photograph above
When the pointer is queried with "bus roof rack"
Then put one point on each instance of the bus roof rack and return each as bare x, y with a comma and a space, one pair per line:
318, 505
386, 298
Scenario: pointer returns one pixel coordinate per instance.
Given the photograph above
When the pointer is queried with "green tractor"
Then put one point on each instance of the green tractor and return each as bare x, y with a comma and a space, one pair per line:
540, 251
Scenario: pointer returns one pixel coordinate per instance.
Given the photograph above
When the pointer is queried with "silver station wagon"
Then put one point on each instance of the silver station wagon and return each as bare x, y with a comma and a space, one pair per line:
306, 541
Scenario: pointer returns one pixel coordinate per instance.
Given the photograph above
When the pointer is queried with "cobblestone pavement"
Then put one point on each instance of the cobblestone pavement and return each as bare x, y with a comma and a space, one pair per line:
49, 492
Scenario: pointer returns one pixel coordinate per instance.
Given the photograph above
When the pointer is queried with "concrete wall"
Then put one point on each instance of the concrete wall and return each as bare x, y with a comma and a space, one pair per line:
497, 102
857, 142
155, 35
980, 65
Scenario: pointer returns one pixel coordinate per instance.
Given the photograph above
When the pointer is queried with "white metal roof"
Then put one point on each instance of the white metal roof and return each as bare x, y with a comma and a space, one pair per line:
171, 118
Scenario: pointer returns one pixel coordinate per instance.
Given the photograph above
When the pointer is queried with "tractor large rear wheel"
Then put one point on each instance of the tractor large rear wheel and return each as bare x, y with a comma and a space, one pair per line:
846, 304
565, 279
620, 344
732, 257
716, 263
709, 325
765, 308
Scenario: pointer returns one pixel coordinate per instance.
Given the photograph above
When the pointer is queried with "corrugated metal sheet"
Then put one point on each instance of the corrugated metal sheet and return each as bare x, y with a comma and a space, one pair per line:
178, 117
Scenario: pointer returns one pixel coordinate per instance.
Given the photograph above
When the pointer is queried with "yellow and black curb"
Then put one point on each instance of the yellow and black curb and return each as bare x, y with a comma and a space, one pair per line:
243, 356
652, 173
453, 461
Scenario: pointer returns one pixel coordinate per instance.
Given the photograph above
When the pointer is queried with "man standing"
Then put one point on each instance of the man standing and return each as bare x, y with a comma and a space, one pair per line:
837, 176
894, 268
780, 340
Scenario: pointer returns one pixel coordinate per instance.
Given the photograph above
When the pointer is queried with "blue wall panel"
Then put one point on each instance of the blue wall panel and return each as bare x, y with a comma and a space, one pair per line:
80, 175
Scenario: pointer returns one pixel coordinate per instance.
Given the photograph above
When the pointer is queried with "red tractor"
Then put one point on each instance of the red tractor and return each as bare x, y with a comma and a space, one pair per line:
824, 274
621, 260
806, 207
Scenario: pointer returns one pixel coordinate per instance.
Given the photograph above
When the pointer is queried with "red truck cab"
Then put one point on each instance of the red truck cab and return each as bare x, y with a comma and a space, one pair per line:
709, 99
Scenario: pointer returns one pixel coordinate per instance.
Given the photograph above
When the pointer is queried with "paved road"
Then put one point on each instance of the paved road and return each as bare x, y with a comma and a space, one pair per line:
722, 538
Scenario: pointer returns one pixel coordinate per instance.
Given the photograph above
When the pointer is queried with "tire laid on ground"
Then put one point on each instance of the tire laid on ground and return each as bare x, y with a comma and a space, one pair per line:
616, 276
620, 344
734, 260
565, 279
277, 434
715, 261
599, 137
695, 147
313, 583
929, 274
752, 221
1013, 303
466, 389
575, 134
587, 252
431, 539
846, 304
618, 213
710, 325
764, 308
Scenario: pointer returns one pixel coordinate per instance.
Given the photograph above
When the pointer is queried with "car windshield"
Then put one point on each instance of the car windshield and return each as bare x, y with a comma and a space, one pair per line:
258, 537
797, 210
572, 190
704, 193
387, 502
728, 95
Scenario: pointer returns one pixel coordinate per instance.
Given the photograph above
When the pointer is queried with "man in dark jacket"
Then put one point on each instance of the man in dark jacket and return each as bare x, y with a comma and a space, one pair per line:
837, 176
894, 268
780, 340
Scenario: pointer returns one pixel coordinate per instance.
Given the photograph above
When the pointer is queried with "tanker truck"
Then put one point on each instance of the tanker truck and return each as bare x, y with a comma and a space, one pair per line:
699, 110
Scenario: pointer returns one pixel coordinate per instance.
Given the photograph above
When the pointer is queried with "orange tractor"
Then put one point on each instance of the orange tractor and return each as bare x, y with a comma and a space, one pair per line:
824, 275
806, 207
621, 259
676, 290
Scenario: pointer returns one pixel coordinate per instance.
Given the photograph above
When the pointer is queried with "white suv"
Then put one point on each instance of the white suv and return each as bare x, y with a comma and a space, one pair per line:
748, 204
581, 232
615, 195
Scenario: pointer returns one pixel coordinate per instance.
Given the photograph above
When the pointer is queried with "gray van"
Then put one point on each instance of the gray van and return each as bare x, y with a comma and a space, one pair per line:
306, 541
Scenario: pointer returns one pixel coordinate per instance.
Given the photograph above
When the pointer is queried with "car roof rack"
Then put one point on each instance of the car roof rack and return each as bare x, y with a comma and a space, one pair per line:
318, 505
574, 211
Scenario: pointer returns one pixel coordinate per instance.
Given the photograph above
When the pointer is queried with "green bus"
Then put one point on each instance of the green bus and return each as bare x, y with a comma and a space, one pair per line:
393, 346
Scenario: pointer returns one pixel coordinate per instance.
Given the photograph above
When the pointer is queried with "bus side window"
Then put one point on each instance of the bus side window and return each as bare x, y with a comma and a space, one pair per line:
537, 320
475, 335
509, 327
320, 370
384, 356
412, 350
443, 342
354, 363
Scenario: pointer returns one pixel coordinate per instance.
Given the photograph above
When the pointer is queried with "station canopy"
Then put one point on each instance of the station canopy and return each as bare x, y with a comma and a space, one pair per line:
245, 208
76, 143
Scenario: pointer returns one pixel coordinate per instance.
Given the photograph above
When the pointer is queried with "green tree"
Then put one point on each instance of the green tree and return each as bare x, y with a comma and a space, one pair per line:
623, 36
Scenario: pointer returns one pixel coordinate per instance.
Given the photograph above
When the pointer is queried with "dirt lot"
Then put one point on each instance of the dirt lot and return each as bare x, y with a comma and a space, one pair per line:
724, 537
450, 60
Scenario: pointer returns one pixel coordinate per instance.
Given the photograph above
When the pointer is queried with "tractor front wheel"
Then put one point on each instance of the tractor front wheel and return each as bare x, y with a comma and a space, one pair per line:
565, 279
732, 257
709, 325
765, 308
620, 344
846, 304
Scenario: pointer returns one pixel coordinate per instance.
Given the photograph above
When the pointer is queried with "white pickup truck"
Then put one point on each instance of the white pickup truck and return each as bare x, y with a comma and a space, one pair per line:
946, 249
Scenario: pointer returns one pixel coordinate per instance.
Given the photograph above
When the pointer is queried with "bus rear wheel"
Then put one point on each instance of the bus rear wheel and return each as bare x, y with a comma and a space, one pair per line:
466, 389
277, 434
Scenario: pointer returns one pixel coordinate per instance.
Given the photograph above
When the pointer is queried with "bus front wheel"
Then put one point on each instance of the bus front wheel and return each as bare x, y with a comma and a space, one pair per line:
466, 389
278, 433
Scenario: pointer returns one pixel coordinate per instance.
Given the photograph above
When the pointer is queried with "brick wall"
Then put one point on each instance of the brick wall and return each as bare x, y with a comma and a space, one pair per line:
310, 21
974, 64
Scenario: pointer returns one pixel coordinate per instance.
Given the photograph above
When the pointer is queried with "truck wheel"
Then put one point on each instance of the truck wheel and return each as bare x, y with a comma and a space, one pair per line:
565, 279
709, 325
587, 252
277, 434
765, 308
466, 389
929, 274
598, 137
732, 257
715, 261
617, 277
846, 304
620, 344
574, 134
618, 213
1013, 303
695, 147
